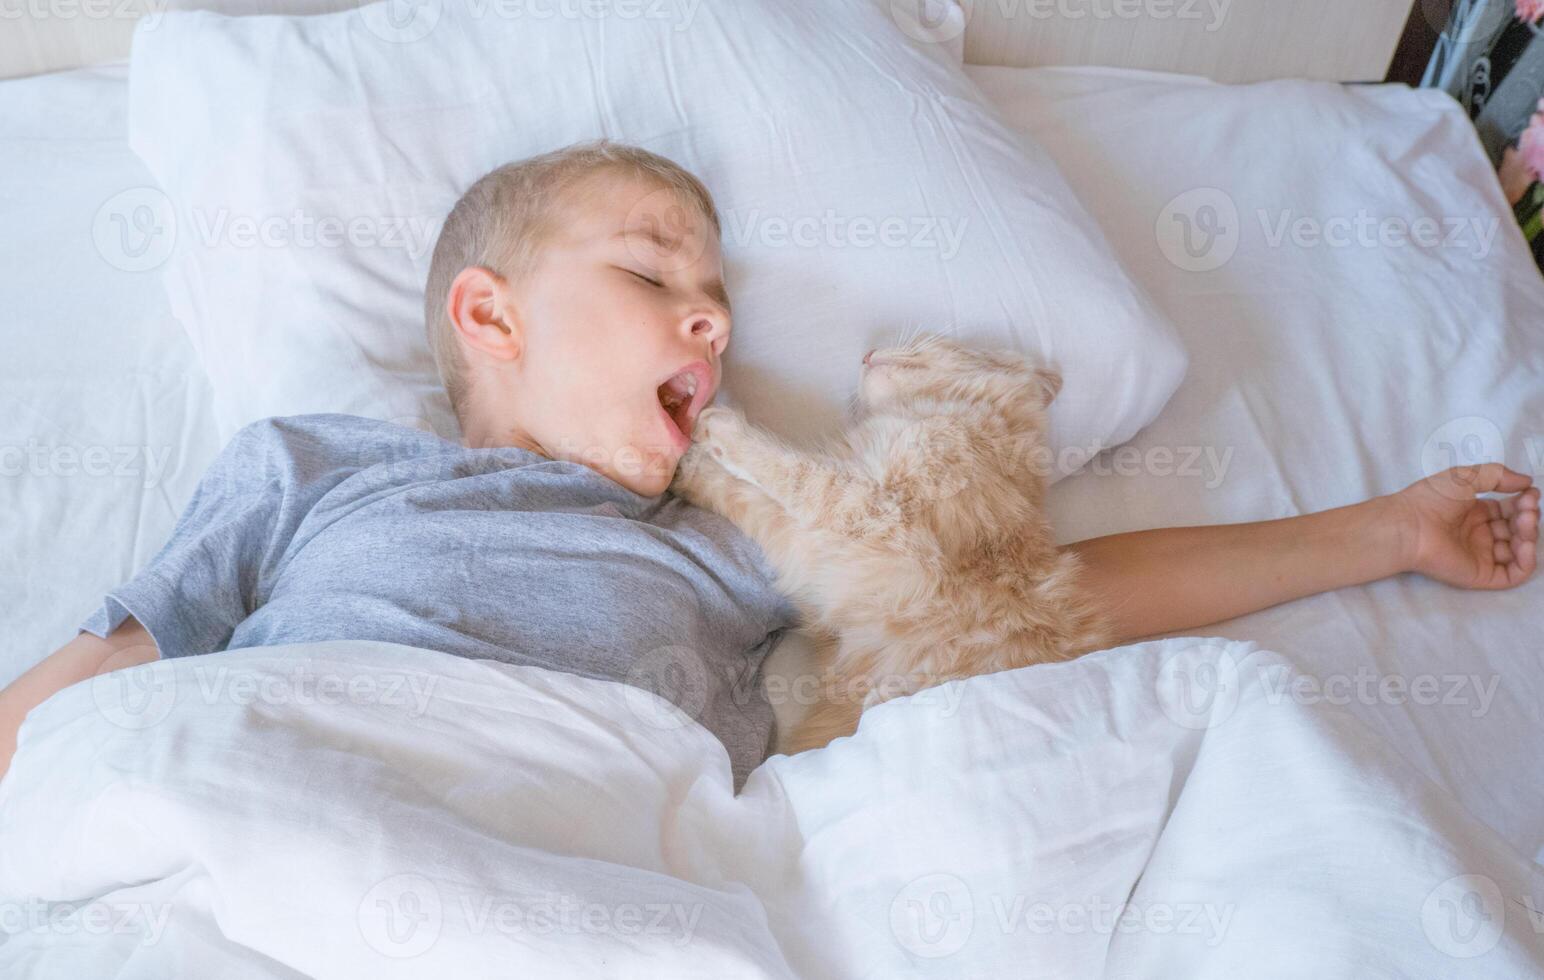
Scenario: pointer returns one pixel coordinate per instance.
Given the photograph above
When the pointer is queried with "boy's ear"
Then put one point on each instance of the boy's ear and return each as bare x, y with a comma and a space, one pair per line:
482, 311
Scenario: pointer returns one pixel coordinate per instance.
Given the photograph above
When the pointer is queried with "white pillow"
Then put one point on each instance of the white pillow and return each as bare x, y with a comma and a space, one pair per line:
864, 185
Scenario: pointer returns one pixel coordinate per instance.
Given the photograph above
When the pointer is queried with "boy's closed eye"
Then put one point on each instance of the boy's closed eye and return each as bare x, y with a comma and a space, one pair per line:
648, 279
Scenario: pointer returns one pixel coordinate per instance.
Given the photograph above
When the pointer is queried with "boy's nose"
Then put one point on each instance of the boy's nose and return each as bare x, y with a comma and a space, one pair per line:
869, 354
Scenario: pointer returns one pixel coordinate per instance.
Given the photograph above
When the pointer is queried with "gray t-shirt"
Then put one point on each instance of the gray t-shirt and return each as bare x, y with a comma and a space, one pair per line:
319, 527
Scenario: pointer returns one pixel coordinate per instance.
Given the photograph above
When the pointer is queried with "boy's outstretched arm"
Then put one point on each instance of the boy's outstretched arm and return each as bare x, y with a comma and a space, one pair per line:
80, 659
1171, 579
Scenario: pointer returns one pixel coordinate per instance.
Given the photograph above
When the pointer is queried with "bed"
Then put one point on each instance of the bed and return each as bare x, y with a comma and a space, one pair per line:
1327, 365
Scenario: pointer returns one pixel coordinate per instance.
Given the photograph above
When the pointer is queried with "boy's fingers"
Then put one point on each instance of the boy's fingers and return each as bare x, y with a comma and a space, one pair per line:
1524, 555
1527, 500
1526, 525
1519, 565
1487, 477
1510, 507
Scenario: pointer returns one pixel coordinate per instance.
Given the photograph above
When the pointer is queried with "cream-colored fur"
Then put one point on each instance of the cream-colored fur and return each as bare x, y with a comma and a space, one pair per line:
914, 545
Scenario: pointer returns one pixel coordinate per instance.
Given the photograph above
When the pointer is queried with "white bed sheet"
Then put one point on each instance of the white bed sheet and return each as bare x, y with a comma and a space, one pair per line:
1318, 374
1329, 373
103, 431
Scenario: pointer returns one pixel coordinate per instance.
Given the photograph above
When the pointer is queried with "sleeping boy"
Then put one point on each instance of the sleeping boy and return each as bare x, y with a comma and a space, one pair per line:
578, 316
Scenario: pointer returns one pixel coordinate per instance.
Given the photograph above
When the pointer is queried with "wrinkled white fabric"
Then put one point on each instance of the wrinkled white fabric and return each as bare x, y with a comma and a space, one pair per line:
367, 810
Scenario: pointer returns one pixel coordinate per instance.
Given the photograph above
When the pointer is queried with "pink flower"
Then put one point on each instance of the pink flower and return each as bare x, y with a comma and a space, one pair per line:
1515, 176
1531, 145
1529, 11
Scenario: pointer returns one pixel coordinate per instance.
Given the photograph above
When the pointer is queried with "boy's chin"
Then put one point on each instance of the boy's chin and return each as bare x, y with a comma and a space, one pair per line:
645, 486
650, 479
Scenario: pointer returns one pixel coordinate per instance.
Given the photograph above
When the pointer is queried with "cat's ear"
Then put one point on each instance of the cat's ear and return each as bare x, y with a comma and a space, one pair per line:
1049, 384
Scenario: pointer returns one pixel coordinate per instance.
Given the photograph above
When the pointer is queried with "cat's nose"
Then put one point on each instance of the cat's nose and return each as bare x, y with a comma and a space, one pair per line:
869, 355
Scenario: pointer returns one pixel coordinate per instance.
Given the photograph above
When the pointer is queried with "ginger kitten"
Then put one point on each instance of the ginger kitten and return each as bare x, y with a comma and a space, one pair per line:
914, 545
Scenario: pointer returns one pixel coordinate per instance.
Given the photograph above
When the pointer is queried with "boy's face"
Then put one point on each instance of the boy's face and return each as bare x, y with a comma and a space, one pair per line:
619, 325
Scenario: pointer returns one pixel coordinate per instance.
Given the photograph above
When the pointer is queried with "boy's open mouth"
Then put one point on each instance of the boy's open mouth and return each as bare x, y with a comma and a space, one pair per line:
683, 395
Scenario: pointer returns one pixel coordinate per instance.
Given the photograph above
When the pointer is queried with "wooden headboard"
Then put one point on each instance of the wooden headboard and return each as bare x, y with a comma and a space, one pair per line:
1228, 40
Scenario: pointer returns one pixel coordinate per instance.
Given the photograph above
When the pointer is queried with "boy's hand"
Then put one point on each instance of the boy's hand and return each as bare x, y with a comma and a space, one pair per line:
1471, 543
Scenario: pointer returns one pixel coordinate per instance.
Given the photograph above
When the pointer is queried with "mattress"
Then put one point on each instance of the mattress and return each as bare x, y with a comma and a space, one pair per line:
1327, 365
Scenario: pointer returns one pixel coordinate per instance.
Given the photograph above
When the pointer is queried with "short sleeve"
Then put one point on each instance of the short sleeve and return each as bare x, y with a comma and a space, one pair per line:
228, 543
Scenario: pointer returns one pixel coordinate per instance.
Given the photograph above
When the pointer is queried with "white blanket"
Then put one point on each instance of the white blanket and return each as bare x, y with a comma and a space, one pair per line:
1175, 809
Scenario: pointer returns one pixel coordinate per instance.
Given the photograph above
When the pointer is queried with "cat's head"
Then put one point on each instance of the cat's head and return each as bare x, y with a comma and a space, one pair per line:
931, 374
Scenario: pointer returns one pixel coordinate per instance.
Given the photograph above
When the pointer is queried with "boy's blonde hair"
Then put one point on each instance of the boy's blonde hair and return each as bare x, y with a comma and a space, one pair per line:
502, 219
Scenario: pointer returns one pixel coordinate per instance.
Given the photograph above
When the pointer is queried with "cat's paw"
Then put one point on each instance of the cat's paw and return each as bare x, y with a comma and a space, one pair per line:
695, 475
715, 428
